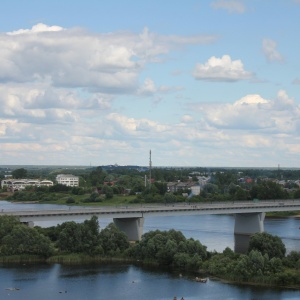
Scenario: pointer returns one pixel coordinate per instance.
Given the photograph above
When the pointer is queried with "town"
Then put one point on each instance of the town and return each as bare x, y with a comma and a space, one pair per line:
135, 184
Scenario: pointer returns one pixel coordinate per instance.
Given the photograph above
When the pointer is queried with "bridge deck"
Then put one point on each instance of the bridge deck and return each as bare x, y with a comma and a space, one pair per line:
235, 207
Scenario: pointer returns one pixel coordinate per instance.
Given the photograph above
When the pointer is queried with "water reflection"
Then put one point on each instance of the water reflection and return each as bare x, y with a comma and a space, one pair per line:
241, 243
113, 282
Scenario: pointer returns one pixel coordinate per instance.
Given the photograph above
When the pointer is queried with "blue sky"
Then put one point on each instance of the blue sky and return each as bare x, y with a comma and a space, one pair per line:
200, 83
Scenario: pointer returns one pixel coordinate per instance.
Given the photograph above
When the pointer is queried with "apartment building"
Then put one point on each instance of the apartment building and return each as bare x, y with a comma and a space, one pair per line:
67, 179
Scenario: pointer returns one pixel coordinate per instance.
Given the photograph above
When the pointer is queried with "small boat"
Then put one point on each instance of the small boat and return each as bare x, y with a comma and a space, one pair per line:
203, 280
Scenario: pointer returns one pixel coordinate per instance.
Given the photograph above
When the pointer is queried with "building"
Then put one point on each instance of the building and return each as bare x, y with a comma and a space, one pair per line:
21, 184
174, 187
67, 179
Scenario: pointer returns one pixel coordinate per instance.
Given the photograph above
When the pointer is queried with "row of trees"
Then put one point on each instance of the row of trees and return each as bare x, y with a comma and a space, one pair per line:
265, 263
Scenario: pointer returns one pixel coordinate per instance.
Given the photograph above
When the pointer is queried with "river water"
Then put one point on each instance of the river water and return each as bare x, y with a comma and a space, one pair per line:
43, 282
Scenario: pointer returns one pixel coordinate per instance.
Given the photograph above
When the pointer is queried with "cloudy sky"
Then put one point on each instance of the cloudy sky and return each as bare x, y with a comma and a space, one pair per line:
199, 82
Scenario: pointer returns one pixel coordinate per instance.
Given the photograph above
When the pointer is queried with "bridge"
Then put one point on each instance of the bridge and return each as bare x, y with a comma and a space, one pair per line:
249, 215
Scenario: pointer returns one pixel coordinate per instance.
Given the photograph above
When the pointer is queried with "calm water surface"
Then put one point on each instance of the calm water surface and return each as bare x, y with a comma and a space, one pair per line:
43, 282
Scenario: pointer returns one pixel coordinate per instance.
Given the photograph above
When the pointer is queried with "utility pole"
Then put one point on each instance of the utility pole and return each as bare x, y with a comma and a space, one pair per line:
150, 167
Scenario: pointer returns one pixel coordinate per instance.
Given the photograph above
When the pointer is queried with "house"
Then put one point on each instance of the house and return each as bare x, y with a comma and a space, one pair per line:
174, 187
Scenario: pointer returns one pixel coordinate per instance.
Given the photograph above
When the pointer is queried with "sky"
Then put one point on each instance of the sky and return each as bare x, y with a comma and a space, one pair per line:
206, 83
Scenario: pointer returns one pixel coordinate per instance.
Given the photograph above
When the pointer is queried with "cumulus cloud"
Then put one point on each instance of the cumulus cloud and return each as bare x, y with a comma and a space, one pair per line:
252, 112
232, 6
221, 69
269, 49
38, 103
40, 27
148, 88
107, 63
136, 127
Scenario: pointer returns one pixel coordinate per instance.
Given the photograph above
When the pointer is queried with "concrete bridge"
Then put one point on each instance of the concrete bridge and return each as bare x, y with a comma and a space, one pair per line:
249, 215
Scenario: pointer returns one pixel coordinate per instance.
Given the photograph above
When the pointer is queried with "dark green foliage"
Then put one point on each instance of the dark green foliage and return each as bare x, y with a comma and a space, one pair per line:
26, 240
70, 200
77, 190
267, 244
96, 177
59, 188
267, 189
94, 197
169, 248
79, 237
19, 173
108, 191
292, 260
7, 223
112, 240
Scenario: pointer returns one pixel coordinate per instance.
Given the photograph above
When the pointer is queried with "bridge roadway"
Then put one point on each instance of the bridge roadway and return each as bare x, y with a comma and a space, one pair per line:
249, 214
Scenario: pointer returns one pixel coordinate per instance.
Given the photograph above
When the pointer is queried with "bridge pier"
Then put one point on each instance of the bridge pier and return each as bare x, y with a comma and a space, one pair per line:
132, 227
249, 223
28, 223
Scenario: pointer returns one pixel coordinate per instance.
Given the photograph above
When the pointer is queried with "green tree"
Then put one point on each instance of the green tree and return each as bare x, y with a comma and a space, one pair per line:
113, 240
7, 223
267, 244
26, 240
91, 236
19, 173
268, 190
70, 237
79, 237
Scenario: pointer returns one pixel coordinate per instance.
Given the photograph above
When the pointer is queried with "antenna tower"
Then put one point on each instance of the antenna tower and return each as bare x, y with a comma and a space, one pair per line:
150, 167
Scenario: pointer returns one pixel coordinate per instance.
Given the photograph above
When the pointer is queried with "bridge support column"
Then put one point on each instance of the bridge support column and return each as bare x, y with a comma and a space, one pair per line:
29, 223
248, 224
132, 227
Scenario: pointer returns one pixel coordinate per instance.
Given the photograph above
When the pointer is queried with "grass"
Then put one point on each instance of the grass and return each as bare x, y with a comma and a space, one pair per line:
61, 199
116, 200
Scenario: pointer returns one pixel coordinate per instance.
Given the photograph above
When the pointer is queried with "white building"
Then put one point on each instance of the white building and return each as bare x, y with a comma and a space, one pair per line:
21, 184
196, 189
67, 179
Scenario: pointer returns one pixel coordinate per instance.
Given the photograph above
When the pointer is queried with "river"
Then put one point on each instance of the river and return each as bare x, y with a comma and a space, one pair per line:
42, 281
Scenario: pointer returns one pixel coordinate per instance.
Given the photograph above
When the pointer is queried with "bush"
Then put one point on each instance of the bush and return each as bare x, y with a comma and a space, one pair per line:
70, 200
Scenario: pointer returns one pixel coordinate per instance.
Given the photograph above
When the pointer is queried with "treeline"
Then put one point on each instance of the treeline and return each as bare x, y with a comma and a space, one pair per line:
158, 193
98, 185
265, 263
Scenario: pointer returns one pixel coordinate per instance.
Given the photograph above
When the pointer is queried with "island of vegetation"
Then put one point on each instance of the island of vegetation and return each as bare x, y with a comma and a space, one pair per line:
265, 262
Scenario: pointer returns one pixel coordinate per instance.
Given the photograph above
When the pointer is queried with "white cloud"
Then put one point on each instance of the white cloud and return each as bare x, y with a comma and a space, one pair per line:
187, 119
106, 63
254, 113
252, 129
136, 127
40, 27
148, 88
39, 103
221, 69
270, 51
232, 6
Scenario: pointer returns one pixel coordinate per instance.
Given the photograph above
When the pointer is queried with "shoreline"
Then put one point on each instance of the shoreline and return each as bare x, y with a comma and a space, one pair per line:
81, 259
